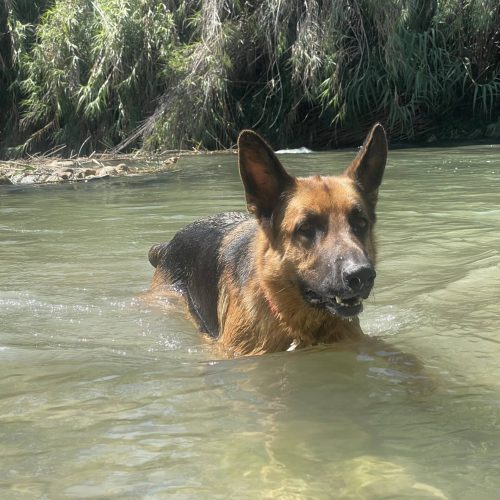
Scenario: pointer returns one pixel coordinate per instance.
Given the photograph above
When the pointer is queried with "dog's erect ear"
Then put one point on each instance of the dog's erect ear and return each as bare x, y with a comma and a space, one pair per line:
263, 176
367, 169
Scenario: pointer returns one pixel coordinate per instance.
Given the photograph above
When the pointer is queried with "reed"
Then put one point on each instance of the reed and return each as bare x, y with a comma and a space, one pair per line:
154, 74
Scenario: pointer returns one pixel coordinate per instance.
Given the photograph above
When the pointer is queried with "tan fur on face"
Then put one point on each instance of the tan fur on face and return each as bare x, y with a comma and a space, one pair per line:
289, 318
332, 198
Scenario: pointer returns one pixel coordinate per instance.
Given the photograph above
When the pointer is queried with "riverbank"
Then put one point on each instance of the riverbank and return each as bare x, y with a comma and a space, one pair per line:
140, 75
58, 170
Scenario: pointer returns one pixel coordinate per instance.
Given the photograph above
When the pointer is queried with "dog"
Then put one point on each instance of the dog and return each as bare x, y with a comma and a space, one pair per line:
292, 273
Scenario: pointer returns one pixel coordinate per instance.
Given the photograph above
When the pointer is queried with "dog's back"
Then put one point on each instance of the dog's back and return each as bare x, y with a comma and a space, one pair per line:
194, 260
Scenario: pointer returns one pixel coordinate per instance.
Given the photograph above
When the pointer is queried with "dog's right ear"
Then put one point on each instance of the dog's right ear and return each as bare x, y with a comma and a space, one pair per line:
263, 176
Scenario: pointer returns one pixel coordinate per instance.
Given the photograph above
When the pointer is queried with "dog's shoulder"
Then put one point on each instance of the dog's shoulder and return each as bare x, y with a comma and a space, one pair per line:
236, 252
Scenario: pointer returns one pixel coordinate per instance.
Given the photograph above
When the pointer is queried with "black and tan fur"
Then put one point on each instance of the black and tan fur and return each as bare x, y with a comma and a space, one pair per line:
292, 273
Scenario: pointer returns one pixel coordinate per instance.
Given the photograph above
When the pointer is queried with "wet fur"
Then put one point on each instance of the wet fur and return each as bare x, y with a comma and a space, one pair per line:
241, 274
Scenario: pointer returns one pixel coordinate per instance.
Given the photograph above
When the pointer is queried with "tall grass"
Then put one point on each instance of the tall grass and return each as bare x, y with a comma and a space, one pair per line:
17, 18
94, 72
97, 74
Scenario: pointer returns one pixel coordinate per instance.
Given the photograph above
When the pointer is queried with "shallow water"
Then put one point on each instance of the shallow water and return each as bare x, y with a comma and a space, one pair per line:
104, 396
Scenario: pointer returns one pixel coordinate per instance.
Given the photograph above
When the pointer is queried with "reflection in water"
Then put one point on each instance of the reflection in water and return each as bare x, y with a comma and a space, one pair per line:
101, 394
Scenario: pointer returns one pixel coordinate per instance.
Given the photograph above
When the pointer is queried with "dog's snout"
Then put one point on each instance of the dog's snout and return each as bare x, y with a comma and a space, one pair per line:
360, 278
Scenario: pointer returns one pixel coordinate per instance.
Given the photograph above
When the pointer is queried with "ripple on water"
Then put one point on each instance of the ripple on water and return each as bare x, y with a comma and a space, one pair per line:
388, 320
103, 396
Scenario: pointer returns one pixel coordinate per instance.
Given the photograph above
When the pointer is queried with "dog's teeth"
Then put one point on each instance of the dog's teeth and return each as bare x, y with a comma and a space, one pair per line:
340, 302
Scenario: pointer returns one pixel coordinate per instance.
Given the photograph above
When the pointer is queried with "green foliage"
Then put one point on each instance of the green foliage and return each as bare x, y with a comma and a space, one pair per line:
190, 73
16, 38
94, 72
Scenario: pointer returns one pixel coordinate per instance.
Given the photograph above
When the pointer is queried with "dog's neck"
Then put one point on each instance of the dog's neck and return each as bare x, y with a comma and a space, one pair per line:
310, 328
273, 308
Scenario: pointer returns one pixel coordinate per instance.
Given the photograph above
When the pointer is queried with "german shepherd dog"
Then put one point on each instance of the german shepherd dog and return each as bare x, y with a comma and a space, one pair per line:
292, 274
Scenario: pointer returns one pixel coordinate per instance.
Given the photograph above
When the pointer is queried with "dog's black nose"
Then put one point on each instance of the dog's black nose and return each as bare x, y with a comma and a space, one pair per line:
359, 278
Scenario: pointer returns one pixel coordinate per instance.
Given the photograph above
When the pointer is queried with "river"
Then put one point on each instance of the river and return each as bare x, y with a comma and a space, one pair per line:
103, 395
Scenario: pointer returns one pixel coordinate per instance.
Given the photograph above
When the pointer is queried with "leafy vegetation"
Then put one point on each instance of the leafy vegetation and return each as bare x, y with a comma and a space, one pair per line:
166, 74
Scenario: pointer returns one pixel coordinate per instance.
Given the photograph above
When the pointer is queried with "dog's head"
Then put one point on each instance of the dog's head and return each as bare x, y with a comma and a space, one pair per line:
319, 229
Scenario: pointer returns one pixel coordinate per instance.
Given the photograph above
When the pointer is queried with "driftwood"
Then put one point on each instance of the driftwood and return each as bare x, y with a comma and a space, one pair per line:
50, 170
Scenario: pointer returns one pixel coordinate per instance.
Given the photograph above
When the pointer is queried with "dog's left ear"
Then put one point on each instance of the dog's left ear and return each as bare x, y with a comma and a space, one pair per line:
263, 176
367, 169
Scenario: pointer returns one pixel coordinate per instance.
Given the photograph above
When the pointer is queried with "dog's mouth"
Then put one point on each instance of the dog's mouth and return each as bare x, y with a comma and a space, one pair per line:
346, 306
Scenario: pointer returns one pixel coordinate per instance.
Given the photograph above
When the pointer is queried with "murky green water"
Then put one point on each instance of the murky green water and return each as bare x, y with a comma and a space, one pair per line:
102, 396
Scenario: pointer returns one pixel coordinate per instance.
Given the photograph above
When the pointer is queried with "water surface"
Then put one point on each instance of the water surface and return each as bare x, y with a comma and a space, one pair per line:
104, 396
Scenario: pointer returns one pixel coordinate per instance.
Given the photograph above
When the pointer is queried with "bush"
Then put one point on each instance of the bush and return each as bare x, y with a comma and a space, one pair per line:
180, 74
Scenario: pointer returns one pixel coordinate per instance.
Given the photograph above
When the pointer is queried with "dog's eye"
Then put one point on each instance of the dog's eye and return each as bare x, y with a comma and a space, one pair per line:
306, 230
360, 225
